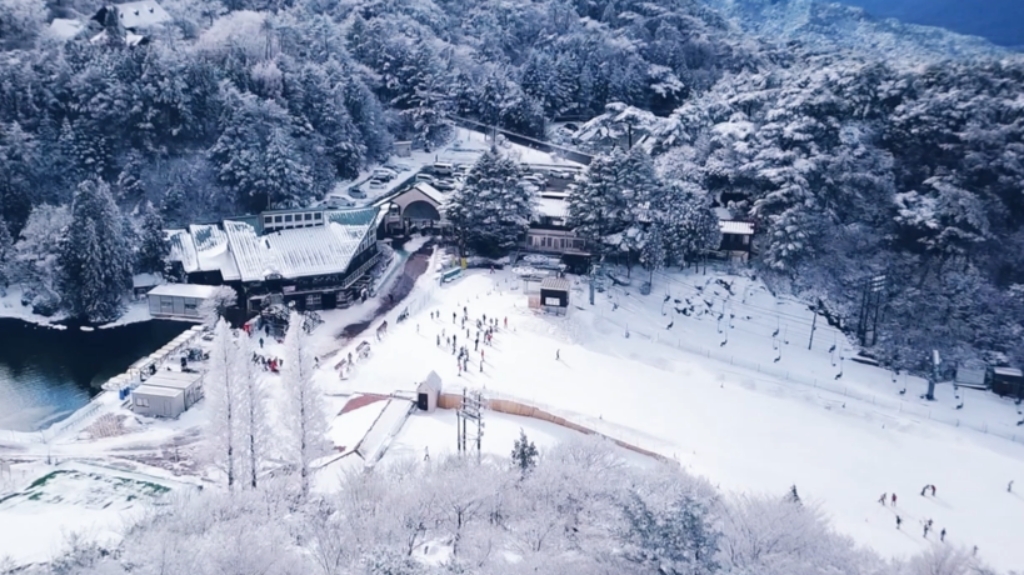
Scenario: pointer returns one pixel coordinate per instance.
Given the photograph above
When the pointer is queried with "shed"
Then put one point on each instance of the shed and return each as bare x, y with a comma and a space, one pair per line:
736, 239
191, 384
428, 391
156, 401
403, 149
1008, 381
554, 295
974, 376
179, 301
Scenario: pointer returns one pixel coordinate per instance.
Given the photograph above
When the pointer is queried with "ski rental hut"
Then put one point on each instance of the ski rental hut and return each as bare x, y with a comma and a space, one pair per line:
1008, 381
427, 392
554, 295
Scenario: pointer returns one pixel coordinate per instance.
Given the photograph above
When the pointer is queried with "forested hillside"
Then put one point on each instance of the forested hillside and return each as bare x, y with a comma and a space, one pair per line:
852, 166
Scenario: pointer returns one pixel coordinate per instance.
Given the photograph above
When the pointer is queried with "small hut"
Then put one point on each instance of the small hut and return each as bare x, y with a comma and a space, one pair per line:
1008, 381
428, 391
554, 295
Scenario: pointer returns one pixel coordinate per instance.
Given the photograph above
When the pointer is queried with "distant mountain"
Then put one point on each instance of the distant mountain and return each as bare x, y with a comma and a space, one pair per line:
1000, 21
832, 25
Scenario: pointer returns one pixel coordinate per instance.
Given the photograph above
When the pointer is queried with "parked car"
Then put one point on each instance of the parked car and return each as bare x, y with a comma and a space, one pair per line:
338, 202
384, 174
443, 169
356, 193
445, 184
421, 177
537, 180
377, 184
571, 127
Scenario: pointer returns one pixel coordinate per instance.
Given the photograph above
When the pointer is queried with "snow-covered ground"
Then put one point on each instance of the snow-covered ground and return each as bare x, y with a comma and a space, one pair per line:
10, 306
842, 444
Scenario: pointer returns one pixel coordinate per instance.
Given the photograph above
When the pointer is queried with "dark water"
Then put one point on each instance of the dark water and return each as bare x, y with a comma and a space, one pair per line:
1001, 21
46, 374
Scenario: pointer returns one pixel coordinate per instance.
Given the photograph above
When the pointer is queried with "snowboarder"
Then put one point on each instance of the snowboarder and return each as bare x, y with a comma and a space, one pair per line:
933, 491
894, 500
883, 498
899, 521
942, 534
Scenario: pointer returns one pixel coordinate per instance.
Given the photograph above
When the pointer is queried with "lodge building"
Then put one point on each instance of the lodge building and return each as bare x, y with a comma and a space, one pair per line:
312, 258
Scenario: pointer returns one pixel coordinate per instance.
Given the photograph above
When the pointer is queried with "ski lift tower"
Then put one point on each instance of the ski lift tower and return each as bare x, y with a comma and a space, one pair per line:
471, 410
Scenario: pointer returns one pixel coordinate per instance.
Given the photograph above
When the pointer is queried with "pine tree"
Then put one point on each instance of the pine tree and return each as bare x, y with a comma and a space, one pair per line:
6, 255
492, 210
95, 259
154, 249
652, 255
304, 416
524, 454
224, 384
598, 209
129, 181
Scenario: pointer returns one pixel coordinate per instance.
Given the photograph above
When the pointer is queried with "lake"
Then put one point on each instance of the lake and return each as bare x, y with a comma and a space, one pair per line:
46, 374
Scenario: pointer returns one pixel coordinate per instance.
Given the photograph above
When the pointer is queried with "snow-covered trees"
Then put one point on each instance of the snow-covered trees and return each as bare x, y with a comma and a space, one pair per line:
6, 254
95, 259
223, 385
213, 308
581, 511
154, 249
493, 208
255, 435
524, 453
597, 204
304, 418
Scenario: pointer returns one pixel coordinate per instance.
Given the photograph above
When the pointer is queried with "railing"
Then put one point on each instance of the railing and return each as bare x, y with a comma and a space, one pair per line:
354, 276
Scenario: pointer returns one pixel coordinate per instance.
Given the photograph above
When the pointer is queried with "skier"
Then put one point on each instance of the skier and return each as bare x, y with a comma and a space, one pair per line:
899, 521
261, 343
481, 355
933, 491
942, 534
926, 530
454, 315
924, 490
506, 323
558, 355
883, 498
439, 340
894, 500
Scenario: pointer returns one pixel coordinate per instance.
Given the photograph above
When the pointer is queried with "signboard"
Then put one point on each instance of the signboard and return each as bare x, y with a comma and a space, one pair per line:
552, 301
288, 289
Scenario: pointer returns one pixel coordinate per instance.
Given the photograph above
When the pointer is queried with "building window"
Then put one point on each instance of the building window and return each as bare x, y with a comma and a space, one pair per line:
288, 218
313, 300
166, 304
268, 220
191, 308
317, 216
307, 217
141, 401
277, 219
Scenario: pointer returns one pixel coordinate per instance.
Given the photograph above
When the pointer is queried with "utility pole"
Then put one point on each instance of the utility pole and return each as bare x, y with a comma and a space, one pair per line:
814, 325
471, 410
936, 360
870, 309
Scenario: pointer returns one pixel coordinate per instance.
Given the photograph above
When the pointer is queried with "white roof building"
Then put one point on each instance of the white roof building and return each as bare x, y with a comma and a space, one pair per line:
194, 291
240, 252
142, 14
736, 228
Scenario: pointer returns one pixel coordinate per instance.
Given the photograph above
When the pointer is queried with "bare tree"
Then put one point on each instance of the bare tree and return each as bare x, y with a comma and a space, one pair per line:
222, 392
307, 424
254, 426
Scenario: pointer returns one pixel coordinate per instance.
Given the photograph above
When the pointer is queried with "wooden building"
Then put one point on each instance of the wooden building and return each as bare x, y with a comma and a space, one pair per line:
1008, 381
554, 295
737, 240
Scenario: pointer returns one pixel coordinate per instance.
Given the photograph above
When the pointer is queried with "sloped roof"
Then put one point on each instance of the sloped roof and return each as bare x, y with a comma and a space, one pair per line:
142, 14
553, 208
300, 252
184, 290
555, 284
212, 251
430, 191
183, 249
737, 228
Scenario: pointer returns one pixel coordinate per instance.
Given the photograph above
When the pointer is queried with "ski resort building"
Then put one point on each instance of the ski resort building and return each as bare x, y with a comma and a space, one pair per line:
312, 258
550, 232
167, 394
417, 208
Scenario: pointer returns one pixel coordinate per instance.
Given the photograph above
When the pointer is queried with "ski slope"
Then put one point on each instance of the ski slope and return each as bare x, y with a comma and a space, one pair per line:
728, 412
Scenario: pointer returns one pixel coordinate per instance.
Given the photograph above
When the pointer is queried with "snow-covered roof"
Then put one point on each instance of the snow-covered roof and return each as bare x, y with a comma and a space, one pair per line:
183, 249
1008, 371
142, 14
172, 380
555, 284
212, 254
553, 208
430, 191
155, 391
737, 228
431, 383
184, 290
300, 252
65, 29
